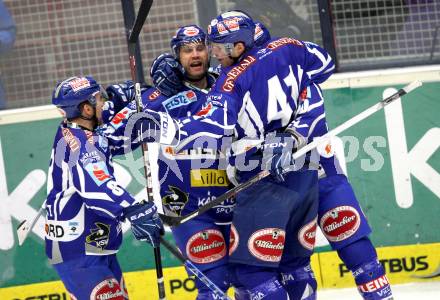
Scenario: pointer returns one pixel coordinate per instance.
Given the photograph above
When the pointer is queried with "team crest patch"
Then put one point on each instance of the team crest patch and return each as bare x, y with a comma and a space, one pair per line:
99, 235
206, 246
175, 199
234, 239
107, 289
340, 223
307, 235
267, 244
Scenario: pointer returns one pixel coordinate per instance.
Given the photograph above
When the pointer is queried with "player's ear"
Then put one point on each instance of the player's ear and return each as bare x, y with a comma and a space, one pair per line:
87, 110
239, 49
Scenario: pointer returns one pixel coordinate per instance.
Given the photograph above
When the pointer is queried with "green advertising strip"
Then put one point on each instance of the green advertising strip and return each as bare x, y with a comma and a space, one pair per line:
392, 160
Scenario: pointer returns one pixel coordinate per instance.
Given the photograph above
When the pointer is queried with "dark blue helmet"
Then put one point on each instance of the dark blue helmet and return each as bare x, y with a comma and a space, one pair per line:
185, 35
262, 35
232, 27
70, 93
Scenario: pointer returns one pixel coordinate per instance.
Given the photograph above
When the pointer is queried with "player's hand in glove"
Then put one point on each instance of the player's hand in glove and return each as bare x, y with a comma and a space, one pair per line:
167, 74
145, 222
120, 95
278, 149
153, 127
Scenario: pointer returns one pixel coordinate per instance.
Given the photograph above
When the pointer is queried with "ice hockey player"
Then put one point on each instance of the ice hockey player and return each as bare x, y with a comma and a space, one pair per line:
85, 205
256, 97
193, 177
340, 216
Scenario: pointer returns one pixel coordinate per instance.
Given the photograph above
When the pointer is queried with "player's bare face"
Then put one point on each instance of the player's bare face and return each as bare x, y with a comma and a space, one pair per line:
194, 59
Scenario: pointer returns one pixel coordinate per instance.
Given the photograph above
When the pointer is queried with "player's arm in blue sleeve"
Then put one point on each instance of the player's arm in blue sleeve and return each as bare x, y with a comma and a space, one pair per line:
95, 183
319, 65
122, 139
309, 115
214, 122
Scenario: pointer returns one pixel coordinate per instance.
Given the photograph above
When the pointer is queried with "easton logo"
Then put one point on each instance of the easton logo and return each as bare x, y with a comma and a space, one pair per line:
233, 239
235, 72
340, 223
307, 235
267, 244
206, 246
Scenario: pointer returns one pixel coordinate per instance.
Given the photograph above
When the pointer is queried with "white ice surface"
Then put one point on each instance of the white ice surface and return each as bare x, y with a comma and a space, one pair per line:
409, 291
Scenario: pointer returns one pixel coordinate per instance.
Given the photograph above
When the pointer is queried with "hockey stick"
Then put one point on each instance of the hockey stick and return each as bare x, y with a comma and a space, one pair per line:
133, 37
26, 226
177, 220
194, 270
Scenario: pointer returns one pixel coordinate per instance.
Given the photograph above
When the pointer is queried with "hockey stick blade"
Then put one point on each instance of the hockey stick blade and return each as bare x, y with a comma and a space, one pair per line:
175, 221
144, 10
193, 269
25, 227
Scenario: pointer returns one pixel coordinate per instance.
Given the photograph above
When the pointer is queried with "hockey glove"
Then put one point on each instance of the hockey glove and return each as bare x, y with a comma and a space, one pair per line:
145, 222
152, 127
278, 149
167, 74
119, 97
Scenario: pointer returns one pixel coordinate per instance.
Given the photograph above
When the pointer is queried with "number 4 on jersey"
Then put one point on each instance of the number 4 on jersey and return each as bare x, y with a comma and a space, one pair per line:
278, 108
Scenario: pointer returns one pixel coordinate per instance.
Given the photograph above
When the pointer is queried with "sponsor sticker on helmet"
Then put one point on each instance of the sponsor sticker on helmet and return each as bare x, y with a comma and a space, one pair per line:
221, 28
234, 239
340, 223
232, 24
258, 32
206, 246
307, 235
267, 244
191, 31
79, 84
107, 289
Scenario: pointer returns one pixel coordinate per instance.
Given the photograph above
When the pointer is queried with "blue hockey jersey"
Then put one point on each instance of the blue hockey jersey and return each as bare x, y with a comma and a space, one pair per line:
190, 178
261, 94
84, 202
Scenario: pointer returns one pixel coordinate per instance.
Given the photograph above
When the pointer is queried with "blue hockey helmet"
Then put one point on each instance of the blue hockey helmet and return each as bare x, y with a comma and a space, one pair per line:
232, 27
73, 91
186, 35
262, 35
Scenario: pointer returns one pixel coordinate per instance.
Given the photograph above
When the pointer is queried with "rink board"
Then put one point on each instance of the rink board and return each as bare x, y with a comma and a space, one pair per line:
402, 263
401, 201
